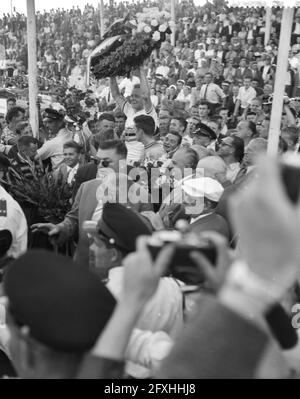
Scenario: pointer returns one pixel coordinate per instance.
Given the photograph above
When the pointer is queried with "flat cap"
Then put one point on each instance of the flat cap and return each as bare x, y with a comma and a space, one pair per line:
122, 226
204, 130
64, 306
203, 187
53, 114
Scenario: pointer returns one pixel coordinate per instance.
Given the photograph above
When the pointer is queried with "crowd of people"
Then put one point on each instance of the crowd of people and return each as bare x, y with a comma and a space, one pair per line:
143, 231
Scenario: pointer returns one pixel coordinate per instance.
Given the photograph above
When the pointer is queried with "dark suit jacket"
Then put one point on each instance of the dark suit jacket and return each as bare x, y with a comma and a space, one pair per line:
85, 173
247, 73
229, 103
83, 209
212, 222
236, 27
225, 32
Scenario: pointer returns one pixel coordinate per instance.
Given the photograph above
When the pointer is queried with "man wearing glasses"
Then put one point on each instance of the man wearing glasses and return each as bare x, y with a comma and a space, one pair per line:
231, 150
111, 158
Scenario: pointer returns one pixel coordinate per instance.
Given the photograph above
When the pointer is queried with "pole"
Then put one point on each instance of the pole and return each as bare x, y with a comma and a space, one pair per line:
102, 27
280, 79
173, 18
32, 67
268, 24
11, 8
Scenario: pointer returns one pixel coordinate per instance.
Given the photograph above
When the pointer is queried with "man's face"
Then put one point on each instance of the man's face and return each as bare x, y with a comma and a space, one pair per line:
109, 159
192, 123
224, 115
163, 124
170, 142
10, 105
120, 125
289, 141
199, 83
203, 111
235, 91
199, 139
100, 257
179, 160
268, 90
19, 117
95, 127
226, 147
53, 125
27, 131
225, 88
71, 157
263, 128
175, 126
179, 86
136, 100
247, 83
251, 153
255, 106
106, 125
268, 61
251, 118
164, 114
242, 130
207, 78
194, 112
29, 151
243, 63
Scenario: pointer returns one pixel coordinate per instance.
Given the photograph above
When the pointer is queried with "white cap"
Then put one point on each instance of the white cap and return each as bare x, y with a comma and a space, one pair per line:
203, 187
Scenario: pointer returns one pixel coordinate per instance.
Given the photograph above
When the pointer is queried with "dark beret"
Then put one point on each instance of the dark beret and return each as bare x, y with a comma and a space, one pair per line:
50, 113
66, 307
122, 226
5, 242
204, 130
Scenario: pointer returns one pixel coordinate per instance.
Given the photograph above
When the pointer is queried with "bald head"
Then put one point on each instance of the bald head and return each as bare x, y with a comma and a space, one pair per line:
213, 167
201, 151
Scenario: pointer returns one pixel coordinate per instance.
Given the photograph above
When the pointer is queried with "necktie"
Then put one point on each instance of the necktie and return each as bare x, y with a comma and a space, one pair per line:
205, 93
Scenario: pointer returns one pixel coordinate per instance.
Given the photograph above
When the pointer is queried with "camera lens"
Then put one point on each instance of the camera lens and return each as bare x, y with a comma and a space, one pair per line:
105, 164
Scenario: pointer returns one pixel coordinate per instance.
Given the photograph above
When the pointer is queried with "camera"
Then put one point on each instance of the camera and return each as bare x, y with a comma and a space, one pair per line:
290, 173
182, 267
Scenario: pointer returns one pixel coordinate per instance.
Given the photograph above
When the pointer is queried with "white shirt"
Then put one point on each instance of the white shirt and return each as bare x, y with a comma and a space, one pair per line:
54, 148
232, 171
265, 71
131, 114
16, 223
246, 96
72, 173
163, 70
213, 94
163, 312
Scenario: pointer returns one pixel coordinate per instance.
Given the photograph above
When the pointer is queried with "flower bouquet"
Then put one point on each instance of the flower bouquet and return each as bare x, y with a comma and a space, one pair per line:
127, 44
50, 196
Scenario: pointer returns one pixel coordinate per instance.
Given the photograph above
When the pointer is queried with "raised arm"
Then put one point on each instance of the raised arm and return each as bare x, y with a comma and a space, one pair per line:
146, 93
115, 92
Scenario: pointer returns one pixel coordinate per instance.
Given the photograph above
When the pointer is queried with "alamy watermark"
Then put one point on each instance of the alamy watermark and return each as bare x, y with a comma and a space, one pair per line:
154, 185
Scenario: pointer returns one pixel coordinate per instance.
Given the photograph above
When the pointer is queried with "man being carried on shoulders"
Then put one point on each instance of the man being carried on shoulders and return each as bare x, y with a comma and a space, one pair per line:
138, 104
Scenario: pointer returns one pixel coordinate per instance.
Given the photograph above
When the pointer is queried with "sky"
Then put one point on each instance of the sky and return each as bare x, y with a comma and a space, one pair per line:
40, 5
